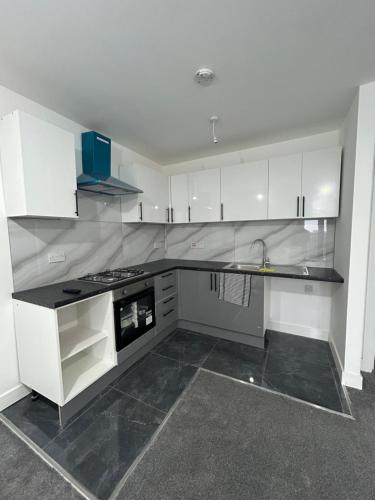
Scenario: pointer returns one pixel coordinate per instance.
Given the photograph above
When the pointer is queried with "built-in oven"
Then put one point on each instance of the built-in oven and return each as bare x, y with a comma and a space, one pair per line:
134, 312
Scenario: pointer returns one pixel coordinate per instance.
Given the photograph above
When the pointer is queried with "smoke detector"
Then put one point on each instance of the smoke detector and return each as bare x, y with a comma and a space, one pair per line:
204, 76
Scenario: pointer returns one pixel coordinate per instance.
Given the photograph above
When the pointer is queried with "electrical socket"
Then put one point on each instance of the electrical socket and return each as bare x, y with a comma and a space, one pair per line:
309, 289
58, 256
196, 245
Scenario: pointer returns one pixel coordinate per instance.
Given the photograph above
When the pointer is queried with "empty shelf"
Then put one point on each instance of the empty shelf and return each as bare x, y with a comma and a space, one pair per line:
81, 371
77, 339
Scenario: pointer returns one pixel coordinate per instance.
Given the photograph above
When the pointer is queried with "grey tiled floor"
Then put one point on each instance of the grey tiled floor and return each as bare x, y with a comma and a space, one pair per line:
157, 381
296, 366
98, 447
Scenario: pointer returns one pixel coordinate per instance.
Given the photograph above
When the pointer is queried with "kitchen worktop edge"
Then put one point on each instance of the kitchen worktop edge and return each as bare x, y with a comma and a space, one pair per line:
53, 297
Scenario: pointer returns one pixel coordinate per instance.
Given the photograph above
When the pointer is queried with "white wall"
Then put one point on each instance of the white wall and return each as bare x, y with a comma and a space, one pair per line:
10, 389
309, 143
368, 354
348, 140
300, 307
353, 234
359, 252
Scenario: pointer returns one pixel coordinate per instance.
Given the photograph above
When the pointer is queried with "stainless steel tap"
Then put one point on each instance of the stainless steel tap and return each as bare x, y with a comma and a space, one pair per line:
266, 260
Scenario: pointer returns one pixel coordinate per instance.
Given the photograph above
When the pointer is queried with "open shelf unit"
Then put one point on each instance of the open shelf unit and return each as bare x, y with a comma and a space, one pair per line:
86, 341
63, 351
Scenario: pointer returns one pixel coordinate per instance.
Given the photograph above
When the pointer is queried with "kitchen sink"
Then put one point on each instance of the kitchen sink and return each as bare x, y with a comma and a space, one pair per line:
296, 270
243, 267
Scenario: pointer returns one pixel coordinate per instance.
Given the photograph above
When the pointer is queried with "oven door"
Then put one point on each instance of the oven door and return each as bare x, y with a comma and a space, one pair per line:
134, 316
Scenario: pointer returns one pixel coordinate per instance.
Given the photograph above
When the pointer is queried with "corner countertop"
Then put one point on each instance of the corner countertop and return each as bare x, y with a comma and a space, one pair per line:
52, 296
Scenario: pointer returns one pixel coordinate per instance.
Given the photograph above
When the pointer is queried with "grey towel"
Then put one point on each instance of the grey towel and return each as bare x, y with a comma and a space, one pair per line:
235, 288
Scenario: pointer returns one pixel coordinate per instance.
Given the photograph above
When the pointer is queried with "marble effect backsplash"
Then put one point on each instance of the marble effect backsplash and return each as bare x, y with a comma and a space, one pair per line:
309, 242
99, 240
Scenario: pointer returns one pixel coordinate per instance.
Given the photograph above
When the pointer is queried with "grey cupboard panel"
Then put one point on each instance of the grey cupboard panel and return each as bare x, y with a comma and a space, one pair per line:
165, 285
166, 312
199, 302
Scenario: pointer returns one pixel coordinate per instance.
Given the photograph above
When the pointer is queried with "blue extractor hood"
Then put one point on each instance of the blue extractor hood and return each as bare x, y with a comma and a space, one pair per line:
96, 166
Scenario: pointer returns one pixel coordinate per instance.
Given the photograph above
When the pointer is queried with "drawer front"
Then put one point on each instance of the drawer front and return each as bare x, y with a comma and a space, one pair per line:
166, 312
165, 285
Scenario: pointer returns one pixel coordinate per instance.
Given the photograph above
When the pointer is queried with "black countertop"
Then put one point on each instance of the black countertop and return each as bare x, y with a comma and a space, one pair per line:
52, 296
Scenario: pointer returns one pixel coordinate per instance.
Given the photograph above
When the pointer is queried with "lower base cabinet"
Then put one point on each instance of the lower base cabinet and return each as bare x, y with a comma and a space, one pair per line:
61, 352
166, 312
199, 303
166, 304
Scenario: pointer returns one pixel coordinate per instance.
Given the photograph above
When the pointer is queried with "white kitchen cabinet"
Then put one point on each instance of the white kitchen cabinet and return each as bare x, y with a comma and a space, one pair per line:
38, 168
63, 351
305, 185
204, 195
244, 191
179, 198
158, 192
152, 204
285, 179
321, 183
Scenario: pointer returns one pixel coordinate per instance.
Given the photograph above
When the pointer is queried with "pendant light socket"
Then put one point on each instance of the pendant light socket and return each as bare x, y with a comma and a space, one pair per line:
213, 120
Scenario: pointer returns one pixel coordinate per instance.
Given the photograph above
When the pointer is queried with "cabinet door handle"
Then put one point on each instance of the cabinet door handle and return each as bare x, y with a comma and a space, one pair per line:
189, 210
222, 211
166, 275
303, 206
167, 209
167, 288
77, 210
140, 211
211, 282
297, 206
215, 282
168, 300
172, 215
169, 312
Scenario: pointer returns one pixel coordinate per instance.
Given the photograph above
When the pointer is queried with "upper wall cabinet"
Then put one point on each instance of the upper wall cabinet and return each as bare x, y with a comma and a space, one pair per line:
305, 185
244, 191
179, 199
38, 168
152, 204
321, 183
204, 195
285, 187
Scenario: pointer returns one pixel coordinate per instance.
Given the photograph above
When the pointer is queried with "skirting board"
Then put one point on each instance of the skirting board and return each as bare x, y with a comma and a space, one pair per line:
13, 395
353, 380
336, 358
348, 379
243, 338
295, 329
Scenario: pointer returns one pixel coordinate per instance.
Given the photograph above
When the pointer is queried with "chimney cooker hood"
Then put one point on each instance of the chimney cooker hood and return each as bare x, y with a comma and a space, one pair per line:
96, 166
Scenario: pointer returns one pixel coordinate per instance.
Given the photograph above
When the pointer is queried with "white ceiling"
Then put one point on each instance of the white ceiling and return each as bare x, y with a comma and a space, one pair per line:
125, 67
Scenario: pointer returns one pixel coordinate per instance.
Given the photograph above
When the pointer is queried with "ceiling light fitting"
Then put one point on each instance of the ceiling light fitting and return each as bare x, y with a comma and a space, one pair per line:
204, 76
214, 120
